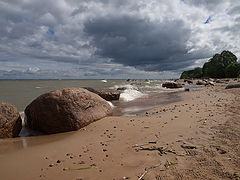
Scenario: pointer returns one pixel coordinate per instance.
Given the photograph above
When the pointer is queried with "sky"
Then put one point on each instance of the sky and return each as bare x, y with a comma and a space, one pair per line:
113, 39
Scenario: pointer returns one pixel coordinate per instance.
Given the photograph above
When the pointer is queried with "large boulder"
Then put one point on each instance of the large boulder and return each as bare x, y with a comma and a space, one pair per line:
230, 86
65, 110
10, 121
171, 85
107, 94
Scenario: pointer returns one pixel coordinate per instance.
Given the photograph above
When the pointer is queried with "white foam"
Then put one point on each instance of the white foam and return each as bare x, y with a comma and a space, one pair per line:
104, 80
23, 117
130, 95
111, 104
127, 86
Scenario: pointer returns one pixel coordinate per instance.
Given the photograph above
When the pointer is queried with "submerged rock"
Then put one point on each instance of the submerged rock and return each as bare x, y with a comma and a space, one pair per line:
65, 110
107, 94
172, 85
230, 86
10, 121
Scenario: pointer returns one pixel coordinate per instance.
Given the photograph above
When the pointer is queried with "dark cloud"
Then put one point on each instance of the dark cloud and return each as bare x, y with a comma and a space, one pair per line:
78, 38
139, 42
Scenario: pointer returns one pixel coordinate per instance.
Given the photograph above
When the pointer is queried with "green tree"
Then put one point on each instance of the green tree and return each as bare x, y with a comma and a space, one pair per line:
232, 70
219, 66
196, 73
215, 67
228, 58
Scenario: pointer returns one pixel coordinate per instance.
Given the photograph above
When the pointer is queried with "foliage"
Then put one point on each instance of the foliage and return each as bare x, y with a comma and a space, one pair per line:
215, 67
232, 70
196, 73
222, 65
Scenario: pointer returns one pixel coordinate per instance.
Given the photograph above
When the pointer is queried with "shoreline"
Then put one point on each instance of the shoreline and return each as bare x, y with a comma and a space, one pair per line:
179, 140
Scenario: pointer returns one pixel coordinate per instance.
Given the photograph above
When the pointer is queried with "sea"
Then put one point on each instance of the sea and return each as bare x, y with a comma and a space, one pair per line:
137, 96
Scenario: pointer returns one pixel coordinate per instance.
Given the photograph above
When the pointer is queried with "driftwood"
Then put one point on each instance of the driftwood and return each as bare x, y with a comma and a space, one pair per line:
147, 170
188, 147
161, 150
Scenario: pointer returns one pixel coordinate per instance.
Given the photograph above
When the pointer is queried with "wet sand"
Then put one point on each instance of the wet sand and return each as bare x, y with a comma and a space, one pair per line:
196, 138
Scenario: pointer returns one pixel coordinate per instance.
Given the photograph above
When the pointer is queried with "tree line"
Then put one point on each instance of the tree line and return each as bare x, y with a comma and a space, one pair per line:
222, 65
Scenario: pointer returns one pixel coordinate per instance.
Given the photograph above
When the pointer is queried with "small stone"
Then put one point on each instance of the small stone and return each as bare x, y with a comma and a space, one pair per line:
65, 169
50, 165
58, 161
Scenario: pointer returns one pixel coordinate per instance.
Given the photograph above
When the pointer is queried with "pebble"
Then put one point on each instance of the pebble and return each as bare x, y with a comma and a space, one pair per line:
65, 169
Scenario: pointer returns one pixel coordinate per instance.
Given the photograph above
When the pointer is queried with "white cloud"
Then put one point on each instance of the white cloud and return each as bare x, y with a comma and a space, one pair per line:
25, 42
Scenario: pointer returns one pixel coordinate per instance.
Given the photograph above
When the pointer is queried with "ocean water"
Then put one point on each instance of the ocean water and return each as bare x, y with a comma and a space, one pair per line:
138, 96
23, 92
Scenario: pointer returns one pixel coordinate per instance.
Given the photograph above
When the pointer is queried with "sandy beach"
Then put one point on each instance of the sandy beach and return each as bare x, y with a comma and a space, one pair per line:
195, 138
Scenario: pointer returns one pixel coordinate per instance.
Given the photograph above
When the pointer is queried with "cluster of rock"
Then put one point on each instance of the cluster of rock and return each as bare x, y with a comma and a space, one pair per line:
180, 83
212, 82
58, 111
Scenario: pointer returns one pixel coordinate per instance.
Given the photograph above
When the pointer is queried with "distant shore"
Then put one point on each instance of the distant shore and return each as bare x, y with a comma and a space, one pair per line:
196, 138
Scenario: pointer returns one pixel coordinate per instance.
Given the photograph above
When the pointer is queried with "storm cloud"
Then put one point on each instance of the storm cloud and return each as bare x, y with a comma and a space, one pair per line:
113, 38
139, 42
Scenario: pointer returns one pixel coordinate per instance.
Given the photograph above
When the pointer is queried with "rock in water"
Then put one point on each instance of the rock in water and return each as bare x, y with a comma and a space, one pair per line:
171, 85
10, 121
107, 94
230, 86
65, 110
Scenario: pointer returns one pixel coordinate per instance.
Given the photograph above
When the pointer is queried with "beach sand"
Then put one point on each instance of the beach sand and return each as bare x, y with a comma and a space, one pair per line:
196, 138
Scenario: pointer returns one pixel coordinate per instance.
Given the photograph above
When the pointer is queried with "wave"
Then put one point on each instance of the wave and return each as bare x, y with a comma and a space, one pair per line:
23, 117
130, 95
129, 92
104, 80
111, 104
